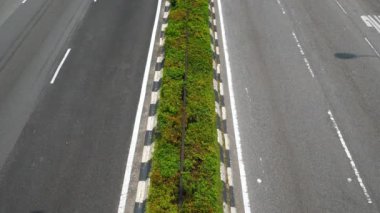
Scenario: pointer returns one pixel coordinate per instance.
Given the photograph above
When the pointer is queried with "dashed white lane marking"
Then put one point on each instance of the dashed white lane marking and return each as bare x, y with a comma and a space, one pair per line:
341, 7
24, 1
282, 7
132, 148
243, 178
372, 47
60, 66
349, 156
306, 61
259, 180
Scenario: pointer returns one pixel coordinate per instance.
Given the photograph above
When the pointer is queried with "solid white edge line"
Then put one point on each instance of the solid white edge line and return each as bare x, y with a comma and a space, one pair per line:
132, 148
350, 158
60, 66
243, 179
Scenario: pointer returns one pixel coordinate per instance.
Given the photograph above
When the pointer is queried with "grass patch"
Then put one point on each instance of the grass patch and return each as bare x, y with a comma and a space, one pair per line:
201, 177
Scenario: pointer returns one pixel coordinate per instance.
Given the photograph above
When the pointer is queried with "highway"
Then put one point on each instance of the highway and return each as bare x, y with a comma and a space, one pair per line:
70, 78
305, 78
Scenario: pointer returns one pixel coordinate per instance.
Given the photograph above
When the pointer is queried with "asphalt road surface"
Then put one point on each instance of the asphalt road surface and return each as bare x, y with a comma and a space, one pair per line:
64, 144
306, 78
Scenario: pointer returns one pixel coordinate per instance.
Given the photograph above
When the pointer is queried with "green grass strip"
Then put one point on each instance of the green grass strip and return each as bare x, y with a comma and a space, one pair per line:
202, 184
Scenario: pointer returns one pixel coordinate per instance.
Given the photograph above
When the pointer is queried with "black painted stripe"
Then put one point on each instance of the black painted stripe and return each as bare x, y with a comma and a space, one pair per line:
144, 170
148, 138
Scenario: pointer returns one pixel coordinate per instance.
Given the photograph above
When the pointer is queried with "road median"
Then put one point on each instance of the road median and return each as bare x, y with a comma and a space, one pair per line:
186, 114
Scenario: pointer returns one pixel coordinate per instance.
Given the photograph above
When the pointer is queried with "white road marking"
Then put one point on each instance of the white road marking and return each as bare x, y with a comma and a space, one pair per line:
60, 66
372, 21
303, 54
372, 47
349, 156
366, 21
259, 180
243, 178
341, 7
24, 1
147, 154
132, 148
282, 7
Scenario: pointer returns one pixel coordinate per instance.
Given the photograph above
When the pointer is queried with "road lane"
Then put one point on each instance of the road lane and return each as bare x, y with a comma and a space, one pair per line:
30, 43
295, 158
7, 7
71, 154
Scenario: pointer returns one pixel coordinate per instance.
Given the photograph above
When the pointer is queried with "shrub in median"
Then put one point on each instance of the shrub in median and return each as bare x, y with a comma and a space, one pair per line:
202, 185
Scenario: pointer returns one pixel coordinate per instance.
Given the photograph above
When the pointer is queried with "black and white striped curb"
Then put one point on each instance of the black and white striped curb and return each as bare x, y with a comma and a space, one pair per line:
223, 138
146, 160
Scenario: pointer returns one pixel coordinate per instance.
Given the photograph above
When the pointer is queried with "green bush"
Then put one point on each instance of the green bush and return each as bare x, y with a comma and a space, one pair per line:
201, 177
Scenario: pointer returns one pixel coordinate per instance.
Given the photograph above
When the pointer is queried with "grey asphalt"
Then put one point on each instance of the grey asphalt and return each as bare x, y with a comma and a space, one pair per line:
294, 159
63, 147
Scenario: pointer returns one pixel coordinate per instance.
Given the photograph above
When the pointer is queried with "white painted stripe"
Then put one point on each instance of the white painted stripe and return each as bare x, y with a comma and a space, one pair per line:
162, 41
366, 21
160, 59
224, 113
309, 67
163, 27
24, 1
349, 156
216, 35
140, 194
166, 15
282, 7
225, 207
167, 3
341, 7
154, 98
372, 47
217, 105
220, 139
226, 142
212, 47
229, 176
218, 69
221, 88
374, 23
147, 154
152, 121
306, 61
132, 148
233, 210
298, 43
60, 65
215, 84
222, 172
243, 178
157, 76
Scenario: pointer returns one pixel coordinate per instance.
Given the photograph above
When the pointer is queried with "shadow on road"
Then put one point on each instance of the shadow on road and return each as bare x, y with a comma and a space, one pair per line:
346, 56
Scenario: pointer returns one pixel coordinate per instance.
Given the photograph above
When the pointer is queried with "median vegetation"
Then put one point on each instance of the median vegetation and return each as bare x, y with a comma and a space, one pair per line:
201, 176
